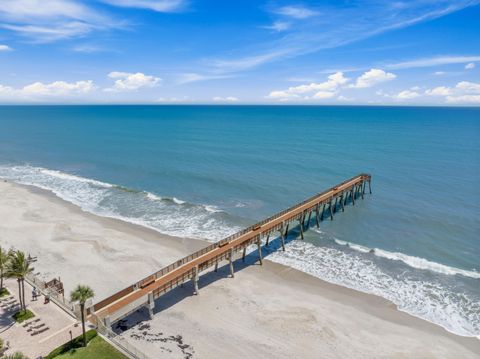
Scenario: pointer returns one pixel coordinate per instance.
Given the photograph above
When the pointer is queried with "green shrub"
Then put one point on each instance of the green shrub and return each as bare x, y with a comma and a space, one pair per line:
16, 355
76, 343
4, 292
23, 315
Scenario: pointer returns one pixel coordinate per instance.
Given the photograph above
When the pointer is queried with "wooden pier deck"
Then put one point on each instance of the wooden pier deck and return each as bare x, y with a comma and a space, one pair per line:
145, 291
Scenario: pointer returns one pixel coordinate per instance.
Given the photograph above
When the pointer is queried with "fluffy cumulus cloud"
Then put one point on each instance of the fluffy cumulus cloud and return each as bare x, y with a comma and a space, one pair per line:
40, 90
126, 81
372, 78
5, 48
464, 92
59, 88
225, 99
321, 90
407, 95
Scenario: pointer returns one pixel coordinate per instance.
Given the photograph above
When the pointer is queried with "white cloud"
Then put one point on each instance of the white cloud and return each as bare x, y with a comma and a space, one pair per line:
5, 90
155, 5
296, 12
182, 99
470, 65
464, 99
278, 26
468, 87
5, 48
40, 90
432, 61
126, 81
464, 92
324, 94
225, 99
51, 20
439, 91
59, 88
373, 77
337, 26
194, 77
407, 95
439, 73
326, 89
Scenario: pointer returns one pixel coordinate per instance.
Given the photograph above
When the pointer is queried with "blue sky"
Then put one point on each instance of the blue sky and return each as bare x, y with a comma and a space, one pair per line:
424, 52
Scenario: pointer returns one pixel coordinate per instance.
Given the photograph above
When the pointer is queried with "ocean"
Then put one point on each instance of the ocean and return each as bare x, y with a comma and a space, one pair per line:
208, 171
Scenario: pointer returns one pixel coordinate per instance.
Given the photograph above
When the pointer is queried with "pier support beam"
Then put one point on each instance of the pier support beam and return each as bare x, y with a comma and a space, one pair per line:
323, 211
342, 202
244, 254
301, 225
268, 239
369, 187
195, 279
216, 265
335, 205
286, 230
282, 236
150, 305
108, 322
230, 259
362, 189
259, 245
309, 218
353, 196
331, 210
316, 216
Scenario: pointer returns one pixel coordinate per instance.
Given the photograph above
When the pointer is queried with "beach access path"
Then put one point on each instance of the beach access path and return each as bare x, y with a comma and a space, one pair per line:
19, 335
269, 311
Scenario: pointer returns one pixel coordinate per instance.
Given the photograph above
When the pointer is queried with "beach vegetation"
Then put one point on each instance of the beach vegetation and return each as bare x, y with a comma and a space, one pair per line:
4, 259
16, 355
4, 292
19, 267
81, 294
23, 315
97, 348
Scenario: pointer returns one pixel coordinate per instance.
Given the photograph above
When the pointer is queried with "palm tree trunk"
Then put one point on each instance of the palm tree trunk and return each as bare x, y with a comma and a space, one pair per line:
20, 293
23, 295
1, 279
82, 309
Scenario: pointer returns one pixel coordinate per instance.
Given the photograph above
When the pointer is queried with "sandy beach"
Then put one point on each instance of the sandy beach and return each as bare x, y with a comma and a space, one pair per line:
268, 311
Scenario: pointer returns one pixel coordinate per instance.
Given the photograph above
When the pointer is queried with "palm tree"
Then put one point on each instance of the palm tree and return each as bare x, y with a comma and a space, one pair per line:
4, 259
18, 267
81, 294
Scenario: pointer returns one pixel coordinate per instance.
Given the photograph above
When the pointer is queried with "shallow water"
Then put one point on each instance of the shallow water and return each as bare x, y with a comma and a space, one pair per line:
208, 171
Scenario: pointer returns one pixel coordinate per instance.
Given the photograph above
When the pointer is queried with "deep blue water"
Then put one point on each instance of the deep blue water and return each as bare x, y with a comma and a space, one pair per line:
207, 171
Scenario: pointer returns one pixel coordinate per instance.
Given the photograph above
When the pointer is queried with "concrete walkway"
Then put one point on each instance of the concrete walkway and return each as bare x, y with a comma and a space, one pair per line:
20, 338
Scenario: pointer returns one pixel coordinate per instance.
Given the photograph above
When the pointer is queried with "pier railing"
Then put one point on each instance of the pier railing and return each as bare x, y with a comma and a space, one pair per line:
316, 200
246, 230
57, 298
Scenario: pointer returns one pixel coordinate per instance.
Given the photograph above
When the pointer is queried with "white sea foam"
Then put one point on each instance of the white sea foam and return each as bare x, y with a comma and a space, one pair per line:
178, 201
456, 312
168, 216
412, 261
432, 301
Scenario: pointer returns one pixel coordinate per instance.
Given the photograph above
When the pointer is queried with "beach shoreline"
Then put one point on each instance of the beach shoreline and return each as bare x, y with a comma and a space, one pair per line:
77, 245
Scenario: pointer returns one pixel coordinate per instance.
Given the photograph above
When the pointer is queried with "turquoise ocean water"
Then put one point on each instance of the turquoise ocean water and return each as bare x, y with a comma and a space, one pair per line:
207, 171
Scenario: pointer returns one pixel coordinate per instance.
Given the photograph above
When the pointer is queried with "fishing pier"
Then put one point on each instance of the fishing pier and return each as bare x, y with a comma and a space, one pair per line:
145, 291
